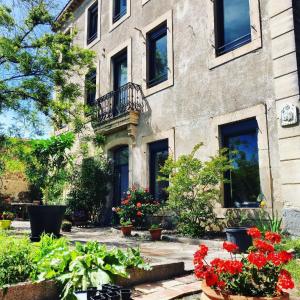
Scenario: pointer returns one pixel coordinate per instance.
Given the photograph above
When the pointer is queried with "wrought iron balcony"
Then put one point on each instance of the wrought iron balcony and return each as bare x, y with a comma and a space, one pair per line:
129, 98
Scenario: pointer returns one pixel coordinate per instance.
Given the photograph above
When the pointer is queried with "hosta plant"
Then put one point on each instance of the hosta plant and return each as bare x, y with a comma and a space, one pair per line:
260, 273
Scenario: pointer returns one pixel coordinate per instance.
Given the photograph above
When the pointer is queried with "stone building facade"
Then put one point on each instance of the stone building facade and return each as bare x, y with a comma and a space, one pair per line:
170, 74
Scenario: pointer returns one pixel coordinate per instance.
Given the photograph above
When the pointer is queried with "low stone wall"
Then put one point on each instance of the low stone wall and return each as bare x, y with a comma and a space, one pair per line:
46, 290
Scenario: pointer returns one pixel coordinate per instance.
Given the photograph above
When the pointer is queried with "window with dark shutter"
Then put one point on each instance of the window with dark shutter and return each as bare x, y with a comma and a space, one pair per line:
92, 30
90, 87
157, 55
119, 9
233, 27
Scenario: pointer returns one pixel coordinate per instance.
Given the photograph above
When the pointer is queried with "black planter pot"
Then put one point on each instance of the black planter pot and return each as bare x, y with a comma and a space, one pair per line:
45, 219
239, 236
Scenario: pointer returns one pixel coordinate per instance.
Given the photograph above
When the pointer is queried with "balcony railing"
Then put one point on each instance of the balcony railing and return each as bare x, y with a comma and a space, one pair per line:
128, 98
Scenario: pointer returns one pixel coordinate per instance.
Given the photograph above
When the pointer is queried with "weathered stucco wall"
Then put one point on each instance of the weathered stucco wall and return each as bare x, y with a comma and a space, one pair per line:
201, 98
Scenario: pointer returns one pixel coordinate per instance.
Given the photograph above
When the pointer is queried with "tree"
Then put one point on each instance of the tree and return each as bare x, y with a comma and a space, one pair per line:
36, 58
194, 189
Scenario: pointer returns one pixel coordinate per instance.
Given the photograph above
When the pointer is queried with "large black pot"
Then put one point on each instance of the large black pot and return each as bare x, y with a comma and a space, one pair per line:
239, 236
45, 219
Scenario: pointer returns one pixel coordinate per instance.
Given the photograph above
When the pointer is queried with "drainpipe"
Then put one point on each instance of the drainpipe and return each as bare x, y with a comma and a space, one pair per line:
269, 157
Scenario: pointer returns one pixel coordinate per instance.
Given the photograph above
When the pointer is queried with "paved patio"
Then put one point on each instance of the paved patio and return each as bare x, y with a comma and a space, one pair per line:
155, 252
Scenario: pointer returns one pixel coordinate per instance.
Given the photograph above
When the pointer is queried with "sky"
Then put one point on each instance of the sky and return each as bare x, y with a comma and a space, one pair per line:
9, 120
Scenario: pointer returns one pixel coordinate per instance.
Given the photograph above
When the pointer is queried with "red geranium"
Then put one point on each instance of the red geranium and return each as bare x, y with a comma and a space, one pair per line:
273, 237
230, 247
258, 259
285, 256
139, 205
263, 246
233, 266
285, 280
211, 278
254, 233
139, 213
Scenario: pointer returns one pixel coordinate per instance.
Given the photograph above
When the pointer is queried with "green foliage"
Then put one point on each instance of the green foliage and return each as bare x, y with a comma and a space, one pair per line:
35, 58
265, 221
47, 165
137, 205
15, 259
194, 189
89, 187
237, 217
86, 265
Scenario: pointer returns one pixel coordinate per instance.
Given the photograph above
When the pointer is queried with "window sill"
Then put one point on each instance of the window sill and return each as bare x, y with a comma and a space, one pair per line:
93, 43
229, 56
157, 88
119, 22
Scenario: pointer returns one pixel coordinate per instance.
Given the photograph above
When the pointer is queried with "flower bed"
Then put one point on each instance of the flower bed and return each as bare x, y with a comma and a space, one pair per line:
260, 273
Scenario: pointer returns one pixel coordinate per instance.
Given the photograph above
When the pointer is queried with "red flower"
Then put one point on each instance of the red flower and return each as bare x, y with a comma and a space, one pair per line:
211, 278
285, 280
139, 205
125, 202
221, 284
258, 259
139, 214
230, 247
203, 250
263, 246
200, 271
217, 262
274, 258
285, 256
273, 237
254, 232
234, 267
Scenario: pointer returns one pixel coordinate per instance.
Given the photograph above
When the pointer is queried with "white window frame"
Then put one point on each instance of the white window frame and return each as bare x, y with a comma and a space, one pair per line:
126, 45
167, 17
255, 43
113, 25
259, 113
95, 41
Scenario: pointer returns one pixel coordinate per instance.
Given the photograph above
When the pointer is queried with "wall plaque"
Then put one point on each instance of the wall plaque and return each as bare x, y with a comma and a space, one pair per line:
289, 115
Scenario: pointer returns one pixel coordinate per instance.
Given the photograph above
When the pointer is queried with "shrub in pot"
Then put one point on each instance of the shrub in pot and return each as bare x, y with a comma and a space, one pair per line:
126, 227
259, 275
5, 219
48, 167
66, 226
155, 231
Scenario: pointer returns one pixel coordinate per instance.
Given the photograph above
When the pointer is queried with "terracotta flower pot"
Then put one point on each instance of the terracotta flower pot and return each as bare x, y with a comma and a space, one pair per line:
126, 230
210, 294
155, 234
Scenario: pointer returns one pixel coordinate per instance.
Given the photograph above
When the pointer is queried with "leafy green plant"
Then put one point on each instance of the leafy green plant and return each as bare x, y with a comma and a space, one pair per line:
6, 215
125, 222
86, 265
194, 188
265, 221
155, 226
48, 165
15, 259
237, 217
136, 206
89, 187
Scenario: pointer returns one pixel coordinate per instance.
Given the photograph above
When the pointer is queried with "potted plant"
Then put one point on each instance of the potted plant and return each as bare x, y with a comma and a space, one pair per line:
126, 227
48, 167
137, 206
66, 226
155, 231
259, 275
236, 231
5, 219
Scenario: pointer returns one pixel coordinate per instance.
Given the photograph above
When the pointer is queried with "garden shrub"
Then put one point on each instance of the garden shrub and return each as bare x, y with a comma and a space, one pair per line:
194, 189
15, 259
89, 187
